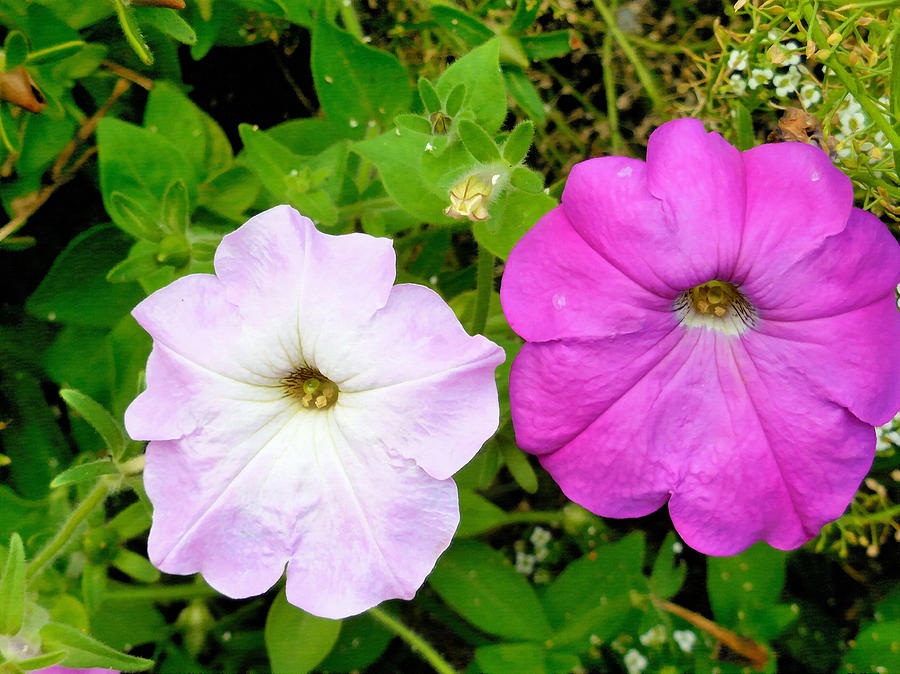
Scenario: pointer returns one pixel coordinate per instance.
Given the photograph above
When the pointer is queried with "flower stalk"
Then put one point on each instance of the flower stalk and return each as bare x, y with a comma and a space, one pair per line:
485, 281
418, 645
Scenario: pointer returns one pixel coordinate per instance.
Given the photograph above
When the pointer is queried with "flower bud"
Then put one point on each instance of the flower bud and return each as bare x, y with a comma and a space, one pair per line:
469, 197
440, 123
18, 88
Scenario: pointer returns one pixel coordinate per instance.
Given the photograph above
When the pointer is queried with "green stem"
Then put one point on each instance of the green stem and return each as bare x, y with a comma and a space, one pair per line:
355, 210
79, 515
161, 593
879, 516
640, 69
351, 21
609, 88
418, 645
553, 517
485, 286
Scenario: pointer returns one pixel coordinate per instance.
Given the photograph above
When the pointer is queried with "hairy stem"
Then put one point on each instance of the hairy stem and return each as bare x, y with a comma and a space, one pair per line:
418, 645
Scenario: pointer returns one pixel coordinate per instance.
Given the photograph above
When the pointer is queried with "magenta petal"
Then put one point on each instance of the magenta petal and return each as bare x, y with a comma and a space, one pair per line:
850, 358
701, 180
550, 288
756, 466
559, 388
847, 270
416, 383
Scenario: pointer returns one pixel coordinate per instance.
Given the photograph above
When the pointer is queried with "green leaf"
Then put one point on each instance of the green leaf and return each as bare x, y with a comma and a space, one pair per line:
132, 30
512, 215
102, 421
308, 136
361, 642
455, 99
430, 99
176, 209
168, 22
477, 515
482, 586
75, 290
133, 268
531, 658
596, 580
295, 640
356, 83
198, 137
667, 577
743, 125
12, 588
140, 164
21, 516
744, 591
93, 586
131, 216
478, 143
415, 123
875, 649
481, 471
124, 625
57, 52
84, 472
85, 651
136, 566
549, 45
479, 70
519, 467
526, 13
526, 180
132, 521
16, 49
466, 27
42, 661
230, 193
516, 146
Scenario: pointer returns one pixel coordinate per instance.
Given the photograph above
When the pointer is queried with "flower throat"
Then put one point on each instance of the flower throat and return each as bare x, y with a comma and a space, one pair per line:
717, 305
311, 388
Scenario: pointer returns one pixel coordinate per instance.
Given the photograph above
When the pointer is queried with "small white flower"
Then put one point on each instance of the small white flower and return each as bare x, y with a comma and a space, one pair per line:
540, 537
810, 94
794, 59
677, 547
759, 76
429, 147
655, 636
524, 563
787, 82
738, 84
738, 59
685, 639
635, 663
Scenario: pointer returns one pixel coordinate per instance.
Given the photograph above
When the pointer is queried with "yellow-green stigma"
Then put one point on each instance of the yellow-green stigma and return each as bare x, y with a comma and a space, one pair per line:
717, 305
311, 388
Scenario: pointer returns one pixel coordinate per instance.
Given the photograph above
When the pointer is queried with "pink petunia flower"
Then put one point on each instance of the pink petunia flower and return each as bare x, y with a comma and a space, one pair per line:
711, 329
303, 410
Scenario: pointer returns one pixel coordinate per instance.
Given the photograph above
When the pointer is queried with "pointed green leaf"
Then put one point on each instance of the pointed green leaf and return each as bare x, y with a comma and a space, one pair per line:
356, 84
42, 661
131, 216
743, 124
16, 49
479, 70
295, 640
132, 31
135, 565
526, 13
414, 123
466, 27
478, 143
101, 420
519, 467
85, 651
455, 99
477, 515
524, 93
133, 268
429, 95
12, 588
176, 209
168, 22
482, 586
526, 180
93, 585
548, 45
83, 473
516, 146
667, 577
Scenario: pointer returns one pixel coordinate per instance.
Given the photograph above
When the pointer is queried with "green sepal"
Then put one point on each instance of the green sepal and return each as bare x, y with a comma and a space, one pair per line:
133, 217
526, 180
42, 661
12, 588
413, 123
83, 473
429, 95
455, 99
85, 651
176, 208
133, 268
16, 49
479, 144
132, 31
99, 418
516, 146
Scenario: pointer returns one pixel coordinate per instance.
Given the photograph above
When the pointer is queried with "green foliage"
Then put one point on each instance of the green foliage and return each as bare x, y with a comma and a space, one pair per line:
295, 640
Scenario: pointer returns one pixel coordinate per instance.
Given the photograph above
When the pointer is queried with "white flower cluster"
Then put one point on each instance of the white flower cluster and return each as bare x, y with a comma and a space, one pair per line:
635, 663
685, 639
540, 538
655, 636
786, 83
888, 436
851, 120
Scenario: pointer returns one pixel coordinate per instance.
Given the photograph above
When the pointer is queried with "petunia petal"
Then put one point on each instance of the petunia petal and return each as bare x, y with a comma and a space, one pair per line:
375, 535
551, 282
837, 356
417, 384
701, 180
289, 279
764, 459
840, 272
558, 388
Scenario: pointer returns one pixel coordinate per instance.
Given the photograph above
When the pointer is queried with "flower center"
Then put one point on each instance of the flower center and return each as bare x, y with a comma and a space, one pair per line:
717, 305
311, 388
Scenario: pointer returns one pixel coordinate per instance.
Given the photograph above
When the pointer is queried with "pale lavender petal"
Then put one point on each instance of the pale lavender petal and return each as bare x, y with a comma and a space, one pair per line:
840, 272
414, 383
551, 288
847, 359
558, 388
